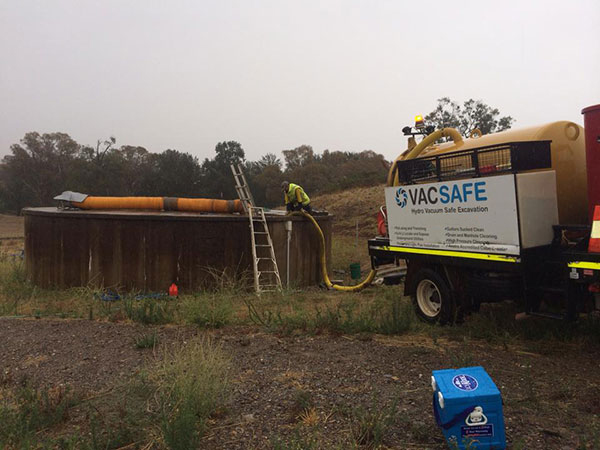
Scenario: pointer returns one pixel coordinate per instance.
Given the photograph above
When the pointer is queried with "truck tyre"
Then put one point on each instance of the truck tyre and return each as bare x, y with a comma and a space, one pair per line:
432, 297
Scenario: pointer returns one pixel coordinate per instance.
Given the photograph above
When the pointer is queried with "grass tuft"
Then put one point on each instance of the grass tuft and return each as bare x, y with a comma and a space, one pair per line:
211, 310
299, 440
30, 409
192, 381
14, 287
370, 425
148, 340
148, 311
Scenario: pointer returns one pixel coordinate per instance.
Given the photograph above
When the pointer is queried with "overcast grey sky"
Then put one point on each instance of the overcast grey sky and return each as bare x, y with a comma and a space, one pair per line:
342, 75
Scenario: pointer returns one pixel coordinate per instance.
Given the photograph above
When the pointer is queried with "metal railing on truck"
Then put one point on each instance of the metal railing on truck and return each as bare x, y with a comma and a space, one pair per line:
509, 157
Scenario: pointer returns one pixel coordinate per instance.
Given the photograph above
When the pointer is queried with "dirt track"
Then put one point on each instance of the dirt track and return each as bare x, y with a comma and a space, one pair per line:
545, 396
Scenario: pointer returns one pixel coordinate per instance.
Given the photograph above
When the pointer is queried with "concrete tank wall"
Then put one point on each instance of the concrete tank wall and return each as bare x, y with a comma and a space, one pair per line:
147, 251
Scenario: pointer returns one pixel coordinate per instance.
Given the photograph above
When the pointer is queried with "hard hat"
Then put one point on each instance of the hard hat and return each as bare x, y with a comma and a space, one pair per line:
285, 185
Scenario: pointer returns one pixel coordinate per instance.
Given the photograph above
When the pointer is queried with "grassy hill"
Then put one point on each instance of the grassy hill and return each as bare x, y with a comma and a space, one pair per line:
351, 206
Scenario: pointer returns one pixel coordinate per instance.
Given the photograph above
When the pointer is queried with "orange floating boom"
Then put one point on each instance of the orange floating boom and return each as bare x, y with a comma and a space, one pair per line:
161, 204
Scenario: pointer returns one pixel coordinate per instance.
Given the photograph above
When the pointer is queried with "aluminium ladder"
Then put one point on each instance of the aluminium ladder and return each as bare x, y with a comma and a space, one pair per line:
266, 272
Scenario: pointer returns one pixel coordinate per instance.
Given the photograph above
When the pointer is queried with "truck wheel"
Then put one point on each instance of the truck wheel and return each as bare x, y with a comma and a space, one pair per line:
432, 297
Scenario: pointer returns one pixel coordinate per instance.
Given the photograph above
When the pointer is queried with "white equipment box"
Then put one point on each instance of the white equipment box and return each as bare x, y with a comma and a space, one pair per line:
496, 214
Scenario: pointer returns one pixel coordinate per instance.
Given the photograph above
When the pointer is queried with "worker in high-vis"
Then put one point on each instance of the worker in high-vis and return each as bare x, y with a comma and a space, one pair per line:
295, 198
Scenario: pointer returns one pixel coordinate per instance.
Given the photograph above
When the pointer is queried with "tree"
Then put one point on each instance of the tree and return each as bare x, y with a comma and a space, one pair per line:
216, 179
473, 114
229, 152
299, 157
100, 170
38, 169
172, 174
268, 160
137, 165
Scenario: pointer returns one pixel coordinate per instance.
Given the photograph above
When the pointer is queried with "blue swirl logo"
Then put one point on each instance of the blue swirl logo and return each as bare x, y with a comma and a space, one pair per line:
465, 382
401, 197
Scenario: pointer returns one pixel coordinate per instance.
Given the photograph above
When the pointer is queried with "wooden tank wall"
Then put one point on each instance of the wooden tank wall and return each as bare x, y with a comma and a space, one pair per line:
148, 252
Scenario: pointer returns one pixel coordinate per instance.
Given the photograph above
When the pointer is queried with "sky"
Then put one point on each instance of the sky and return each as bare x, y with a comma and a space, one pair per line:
273, 75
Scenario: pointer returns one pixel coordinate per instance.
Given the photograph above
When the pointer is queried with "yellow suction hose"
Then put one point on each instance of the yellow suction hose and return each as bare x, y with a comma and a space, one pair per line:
392, 179
323, 257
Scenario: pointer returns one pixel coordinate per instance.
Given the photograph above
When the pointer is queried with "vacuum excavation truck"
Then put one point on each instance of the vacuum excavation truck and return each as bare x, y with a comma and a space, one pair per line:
495, 217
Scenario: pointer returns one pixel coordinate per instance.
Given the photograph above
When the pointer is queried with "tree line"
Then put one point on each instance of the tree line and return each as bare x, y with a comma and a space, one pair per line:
42, 166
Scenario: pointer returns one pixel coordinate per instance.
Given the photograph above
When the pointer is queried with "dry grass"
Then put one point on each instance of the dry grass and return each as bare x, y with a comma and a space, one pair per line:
192, 381
11, 226
358, 205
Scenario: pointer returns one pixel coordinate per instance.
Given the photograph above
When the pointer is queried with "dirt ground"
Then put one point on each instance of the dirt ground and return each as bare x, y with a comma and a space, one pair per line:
546, 397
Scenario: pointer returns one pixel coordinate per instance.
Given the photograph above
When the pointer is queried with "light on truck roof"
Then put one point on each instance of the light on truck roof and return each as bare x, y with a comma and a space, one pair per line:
419, 121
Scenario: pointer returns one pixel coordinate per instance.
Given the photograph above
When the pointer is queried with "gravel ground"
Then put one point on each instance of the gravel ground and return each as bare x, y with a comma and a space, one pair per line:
546, 396
86, 355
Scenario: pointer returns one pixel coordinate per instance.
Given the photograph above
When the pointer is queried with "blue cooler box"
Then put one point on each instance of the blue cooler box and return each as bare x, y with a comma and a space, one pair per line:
468, 407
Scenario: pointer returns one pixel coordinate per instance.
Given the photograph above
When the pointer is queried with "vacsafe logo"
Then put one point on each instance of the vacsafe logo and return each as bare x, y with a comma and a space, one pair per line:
401, 197
461, 192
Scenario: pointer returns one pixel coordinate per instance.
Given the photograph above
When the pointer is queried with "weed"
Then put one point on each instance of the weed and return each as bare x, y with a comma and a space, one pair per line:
402, 316
148, 340
231, 282
467, 444
461, 358
29, 410
590, 442
148, 310
387, 314
303, 407
208, 311
14, 287
309, 417
417, 431
519, 445
298, 441
191, 382
370, 425
121, 418
302, 400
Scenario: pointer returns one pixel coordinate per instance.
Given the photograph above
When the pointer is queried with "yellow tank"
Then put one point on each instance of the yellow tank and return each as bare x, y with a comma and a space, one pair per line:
568, 160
